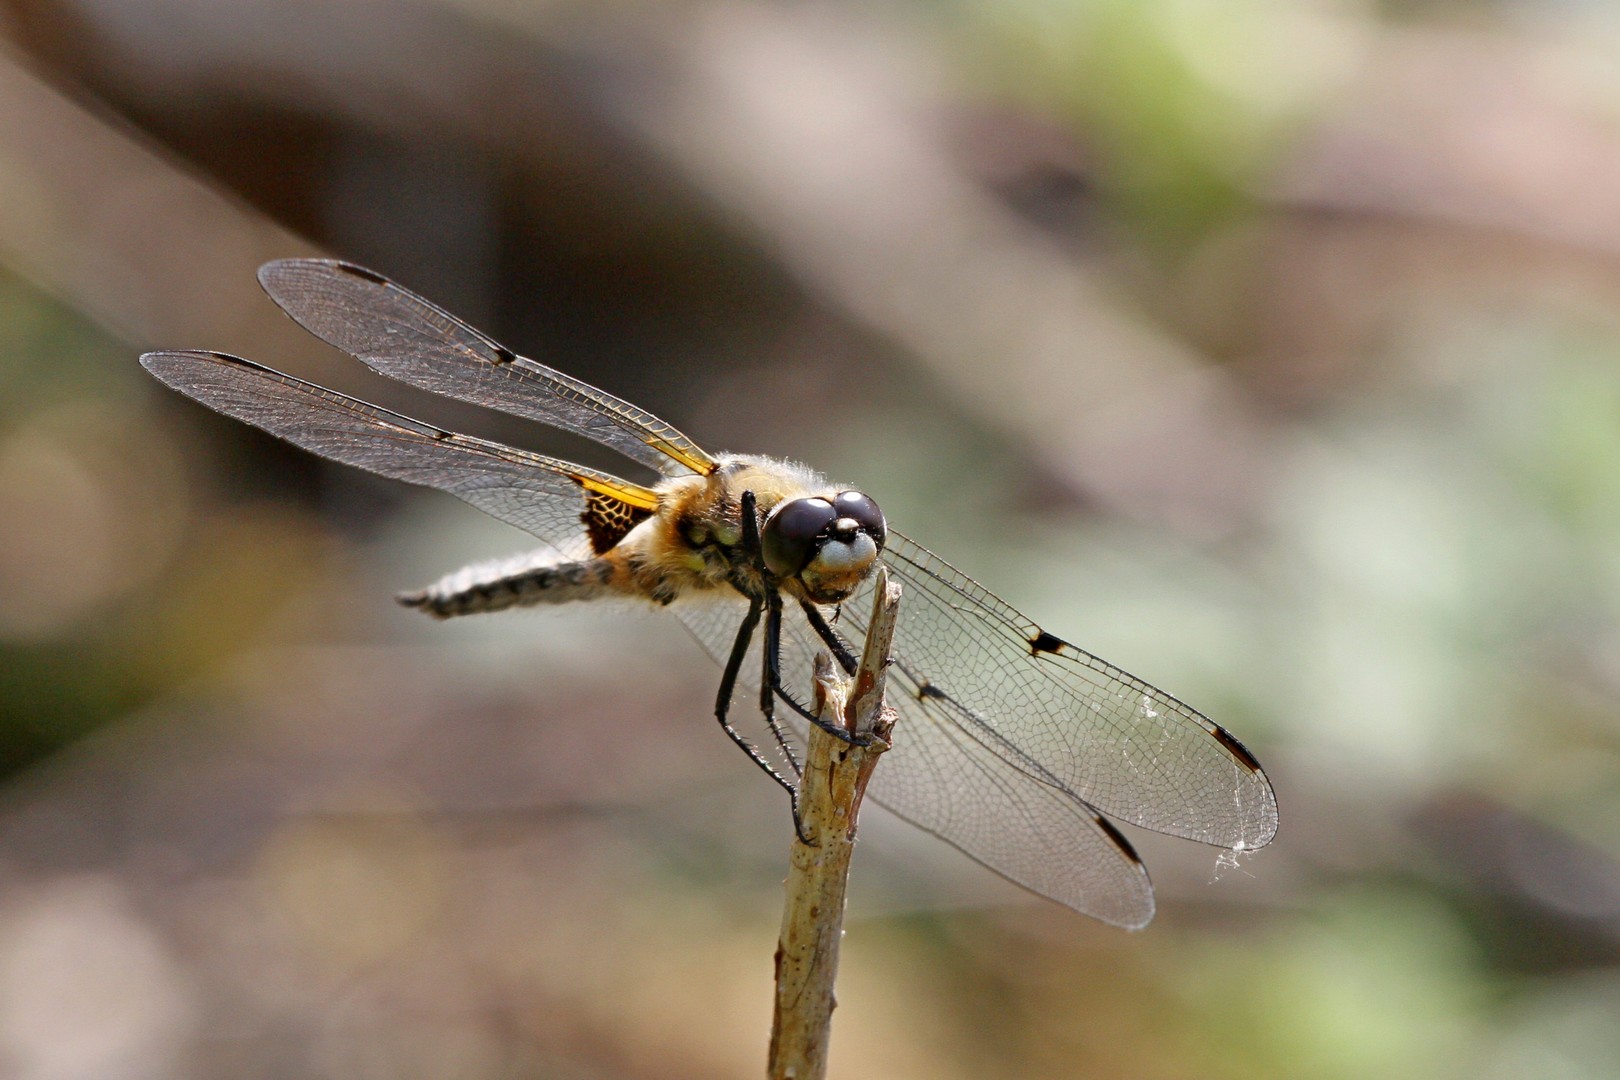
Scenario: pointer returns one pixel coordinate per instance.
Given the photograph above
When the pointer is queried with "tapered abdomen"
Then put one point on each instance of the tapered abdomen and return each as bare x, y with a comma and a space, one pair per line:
498, 586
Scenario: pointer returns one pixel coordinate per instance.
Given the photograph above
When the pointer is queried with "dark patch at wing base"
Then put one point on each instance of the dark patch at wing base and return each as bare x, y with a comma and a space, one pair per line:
608, 520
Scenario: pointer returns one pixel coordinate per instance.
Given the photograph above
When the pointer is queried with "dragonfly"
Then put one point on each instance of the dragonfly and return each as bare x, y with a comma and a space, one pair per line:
1011, 744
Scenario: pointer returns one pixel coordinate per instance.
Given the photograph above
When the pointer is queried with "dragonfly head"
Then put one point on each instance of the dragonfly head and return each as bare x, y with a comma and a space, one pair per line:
828, 543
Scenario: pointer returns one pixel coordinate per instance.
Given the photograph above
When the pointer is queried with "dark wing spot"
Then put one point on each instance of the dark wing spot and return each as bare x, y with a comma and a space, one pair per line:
929, 690
363, 274
420, 428
1044, 642
1118, 838
608, 519
1235, 748
503, 355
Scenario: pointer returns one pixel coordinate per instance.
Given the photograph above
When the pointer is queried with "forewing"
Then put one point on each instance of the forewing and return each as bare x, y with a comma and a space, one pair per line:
944, 780
554, 500
399, 334
1063, 718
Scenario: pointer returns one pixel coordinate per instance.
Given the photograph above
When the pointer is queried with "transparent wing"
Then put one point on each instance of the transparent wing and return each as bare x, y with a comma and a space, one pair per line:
1063, 717
1011, 740
399, 334
543, 496
942, 779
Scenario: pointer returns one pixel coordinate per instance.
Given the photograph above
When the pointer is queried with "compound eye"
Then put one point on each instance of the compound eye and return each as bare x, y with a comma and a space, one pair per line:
791, 534
865, 512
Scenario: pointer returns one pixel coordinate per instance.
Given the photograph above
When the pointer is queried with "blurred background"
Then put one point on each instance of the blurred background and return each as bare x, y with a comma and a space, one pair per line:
1270, 351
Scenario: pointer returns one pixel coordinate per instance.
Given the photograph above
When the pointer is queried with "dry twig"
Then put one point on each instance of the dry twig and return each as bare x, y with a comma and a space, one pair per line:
835, 777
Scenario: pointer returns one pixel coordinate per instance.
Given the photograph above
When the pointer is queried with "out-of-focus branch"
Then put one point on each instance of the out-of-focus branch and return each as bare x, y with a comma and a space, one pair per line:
153, 254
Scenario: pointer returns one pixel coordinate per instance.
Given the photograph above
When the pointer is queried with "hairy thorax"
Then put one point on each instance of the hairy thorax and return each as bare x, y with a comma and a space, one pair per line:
694, 541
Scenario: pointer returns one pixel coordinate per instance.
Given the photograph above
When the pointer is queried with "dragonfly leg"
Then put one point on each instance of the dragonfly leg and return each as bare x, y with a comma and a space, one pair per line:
773, 677
768, 684
839, 647
728, 684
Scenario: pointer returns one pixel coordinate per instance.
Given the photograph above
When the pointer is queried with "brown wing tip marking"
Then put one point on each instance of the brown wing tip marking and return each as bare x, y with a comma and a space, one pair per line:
503, 355
1044, 642
1236, 749
1112, 832
928, 690
362, 273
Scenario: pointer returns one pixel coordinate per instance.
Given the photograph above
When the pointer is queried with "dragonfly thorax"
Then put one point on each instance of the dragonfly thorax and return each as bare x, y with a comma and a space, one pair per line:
818, 541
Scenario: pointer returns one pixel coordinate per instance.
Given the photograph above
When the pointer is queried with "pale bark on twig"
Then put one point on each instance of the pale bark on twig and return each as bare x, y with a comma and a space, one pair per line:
835, 777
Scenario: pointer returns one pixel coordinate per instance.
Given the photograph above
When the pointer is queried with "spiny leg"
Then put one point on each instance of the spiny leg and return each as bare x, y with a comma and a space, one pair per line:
767, 684
771, 647
728, 683
840, 648
846, 659
751, 545
773, 676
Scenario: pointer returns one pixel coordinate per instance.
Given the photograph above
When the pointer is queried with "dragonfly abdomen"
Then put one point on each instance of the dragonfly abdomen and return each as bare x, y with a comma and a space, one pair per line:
496, 587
